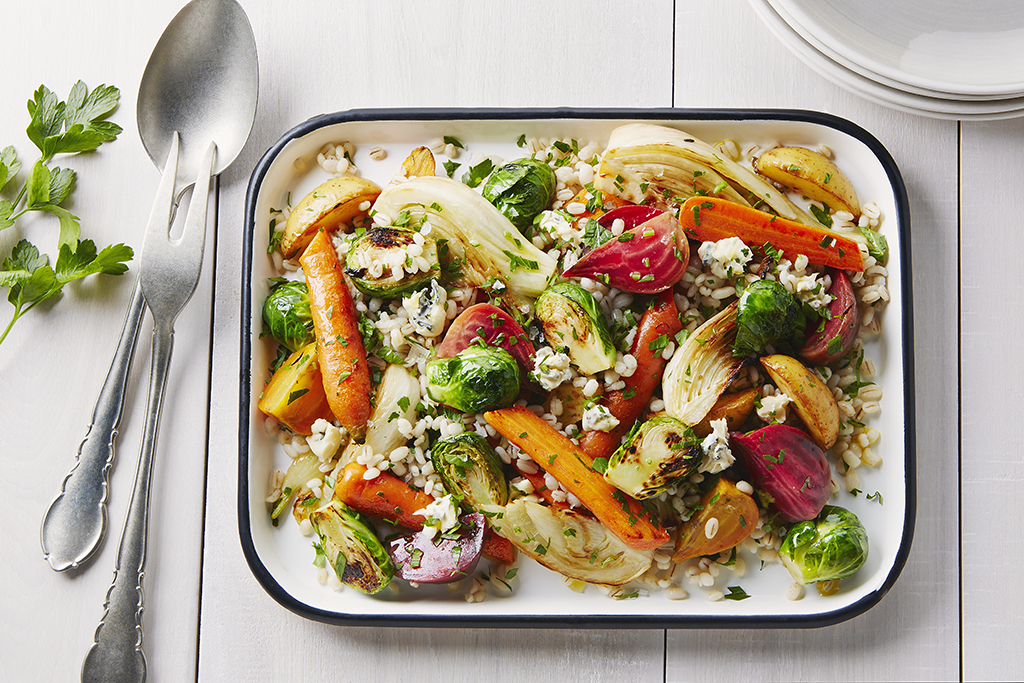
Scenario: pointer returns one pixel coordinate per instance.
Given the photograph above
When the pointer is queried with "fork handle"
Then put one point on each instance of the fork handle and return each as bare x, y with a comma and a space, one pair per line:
116, 655
76, 521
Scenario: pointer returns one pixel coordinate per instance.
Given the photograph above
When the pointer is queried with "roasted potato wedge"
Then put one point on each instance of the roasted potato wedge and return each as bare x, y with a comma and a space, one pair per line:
330, 205
812, 174
812, 400
735, 407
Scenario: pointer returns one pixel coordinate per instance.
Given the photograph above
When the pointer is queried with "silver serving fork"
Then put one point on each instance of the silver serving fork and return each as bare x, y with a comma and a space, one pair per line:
169, 272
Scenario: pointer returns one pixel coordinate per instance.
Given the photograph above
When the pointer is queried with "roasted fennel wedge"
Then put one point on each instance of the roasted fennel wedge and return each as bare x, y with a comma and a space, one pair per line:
569, 543
702, 368
647, 163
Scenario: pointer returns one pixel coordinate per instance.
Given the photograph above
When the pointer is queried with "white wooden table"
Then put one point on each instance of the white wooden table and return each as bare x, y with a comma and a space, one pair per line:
955, 613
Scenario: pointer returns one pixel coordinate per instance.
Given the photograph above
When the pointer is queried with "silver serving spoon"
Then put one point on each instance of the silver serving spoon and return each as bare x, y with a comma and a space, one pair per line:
201, 81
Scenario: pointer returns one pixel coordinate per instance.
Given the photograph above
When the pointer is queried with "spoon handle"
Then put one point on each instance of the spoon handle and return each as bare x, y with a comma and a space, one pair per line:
116, 655
76, 521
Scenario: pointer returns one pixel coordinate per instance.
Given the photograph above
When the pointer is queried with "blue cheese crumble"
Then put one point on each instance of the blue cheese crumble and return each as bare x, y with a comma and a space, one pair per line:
726, 258
426, 308
598, 418
550, 369
441, 516
717, 455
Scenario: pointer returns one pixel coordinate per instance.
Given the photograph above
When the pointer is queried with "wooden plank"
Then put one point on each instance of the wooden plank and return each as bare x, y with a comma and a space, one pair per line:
54, 362
992, 296
461, 54
913, 634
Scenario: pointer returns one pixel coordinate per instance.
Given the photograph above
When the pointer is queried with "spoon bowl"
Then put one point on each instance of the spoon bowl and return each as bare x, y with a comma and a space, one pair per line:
201, 82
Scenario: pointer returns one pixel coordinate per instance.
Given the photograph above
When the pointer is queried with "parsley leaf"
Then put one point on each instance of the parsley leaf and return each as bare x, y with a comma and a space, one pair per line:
595, 234
78, 125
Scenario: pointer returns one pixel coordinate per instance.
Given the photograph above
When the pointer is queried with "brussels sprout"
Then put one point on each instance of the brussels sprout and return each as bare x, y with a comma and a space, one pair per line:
830, 547
476, 379
349, 546
521, 190
470, 469
286, 313
654, 456
388, 261
768, 315
572, 320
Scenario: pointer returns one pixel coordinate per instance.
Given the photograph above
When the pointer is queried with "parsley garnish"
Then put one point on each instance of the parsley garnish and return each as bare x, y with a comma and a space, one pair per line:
78, 125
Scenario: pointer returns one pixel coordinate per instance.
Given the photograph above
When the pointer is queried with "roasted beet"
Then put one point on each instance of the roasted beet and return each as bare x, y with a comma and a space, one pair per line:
836, 338
787, 465
488, 323
443, 558
648, 259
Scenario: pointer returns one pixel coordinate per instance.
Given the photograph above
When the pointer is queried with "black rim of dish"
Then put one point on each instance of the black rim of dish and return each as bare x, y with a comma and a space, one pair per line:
284, 598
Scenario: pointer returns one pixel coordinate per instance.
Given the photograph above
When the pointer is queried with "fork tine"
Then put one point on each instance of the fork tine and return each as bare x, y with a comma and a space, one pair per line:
163, 204
193, 236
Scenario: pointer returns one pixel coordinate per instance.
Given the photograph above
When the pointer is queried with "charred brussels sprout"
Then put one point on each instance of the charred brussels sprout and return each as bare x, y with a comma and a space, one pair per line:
388, 261
768, 315
350, 547
470, 469
656, 454
286, 313
478, 378
572, 320
521, 190
830, 547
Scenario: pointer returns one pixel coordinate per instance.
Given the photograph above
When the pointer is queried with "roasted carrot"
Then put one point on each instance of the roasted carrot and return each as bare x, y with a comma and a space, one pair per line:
339, 345
709, 219
497, 547
658, 326
573, 468
385, 496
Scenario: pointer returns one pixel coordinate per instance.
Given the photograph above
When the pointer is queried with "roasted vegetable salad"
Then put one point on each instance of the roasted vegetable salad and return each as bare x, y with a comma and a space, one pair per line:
639, 362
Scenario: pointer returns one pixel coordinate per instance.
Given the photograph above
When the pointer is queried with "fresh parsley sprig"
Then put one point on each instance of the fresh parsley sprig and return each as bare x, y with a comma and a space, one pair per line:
56, 127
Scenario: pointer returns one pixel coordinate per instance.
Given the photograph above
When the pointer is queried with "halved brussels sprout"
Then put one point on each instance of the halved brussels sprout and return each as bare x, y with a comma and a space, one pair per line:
470, 469
351, 548
521, 189
573, 320
768, 315
388, 261
303, 470
654, 456
287, 315
830, 547
569, 543
478, 378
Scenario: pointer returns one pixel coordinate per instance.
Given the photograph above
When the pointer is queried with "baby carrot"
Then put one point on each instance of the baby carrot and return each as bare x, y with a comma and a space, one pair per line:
339, 344
573, 468
658, 326
709, 219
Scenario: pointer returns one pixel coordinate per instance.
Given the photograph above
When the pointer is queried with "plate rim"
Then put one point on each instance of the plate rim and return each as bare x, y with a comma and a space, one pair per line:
815, 620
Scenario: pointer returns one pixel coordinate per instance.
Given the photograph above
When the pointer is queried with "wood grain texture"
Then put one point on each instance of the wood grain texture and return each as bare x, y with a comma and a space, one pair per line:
395, 54
992, 344
53, 365
913, 634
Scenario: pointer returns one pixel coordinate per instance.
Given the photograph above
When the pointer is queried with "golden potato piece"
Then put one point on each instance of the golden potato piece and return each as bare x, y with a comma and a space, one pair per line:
735, 407
812, 174
812, 400
329, 206
725, 517
419, 163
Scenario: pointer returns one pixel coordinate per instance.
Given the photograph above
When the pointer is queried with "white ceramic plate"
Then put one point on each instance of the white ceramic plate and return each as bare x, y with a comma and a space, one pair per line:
281, 558
782, 7
958, 47
934, 107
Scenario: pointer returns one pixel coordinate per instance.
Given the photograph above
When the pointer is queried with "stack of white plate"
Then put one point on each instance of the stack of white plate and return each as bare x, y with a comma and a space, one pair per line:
950, 59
